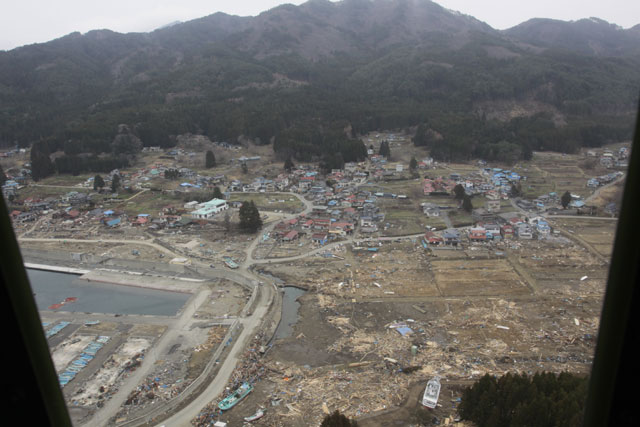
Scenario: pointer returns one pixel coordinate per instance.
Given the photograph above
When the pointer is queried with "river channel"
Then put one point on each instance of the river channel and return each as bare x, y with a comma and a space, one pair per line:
289, 311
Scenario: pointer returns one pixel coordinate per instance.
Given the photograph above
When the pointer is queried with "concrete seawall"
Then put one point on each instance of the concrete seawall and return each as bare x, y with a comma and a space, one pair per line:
55, 268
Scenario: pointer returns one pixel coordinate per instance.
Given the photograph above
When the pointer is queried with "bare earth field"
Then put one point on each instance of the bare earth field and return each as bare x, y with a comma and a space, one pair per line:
469, 313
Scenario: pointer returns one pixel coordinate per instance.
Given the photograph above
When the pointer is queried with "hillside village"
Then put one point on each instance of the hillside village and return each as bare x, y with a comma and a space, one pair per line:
381, 211
345, 201
398, 281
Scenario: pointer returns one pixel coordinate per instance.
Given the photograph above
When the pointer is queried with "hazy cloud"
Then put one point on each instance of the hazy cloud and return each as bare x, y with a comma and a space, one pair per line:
35, 21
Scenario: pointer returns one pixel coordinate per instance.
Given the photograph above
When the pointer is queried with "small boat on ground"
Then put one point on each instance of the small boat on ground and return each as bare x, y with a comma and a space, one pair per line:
431, 393
235, 397
259, 414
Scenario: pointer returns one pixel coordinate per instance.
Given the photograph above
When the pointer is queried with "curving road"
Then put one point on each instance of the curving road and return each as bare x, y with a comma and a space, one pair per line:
251, 323
162, 347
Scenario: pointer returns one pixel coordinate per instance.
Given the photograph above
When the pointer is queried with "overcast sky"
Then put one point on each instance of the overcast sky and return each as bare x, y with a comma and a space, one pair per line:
34, 21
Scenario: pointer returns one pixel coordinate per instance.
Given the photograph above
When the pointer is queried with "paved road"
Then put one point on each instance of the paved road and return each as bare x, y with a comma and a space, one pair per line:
249, 261
217, 386
73, 187
250, 324
330, 246
135, 242
603, 218
241, 276
599, 189
135, 195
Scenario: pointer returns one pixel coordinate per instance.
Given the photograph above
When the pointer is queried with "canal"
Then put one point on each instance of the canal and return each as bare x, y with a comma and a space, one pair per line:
289, 311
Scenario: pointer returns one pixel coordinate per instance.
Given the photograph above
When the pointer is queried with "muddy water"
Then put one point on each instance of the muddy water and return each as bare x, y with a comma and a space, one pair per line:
289, 311
52, 288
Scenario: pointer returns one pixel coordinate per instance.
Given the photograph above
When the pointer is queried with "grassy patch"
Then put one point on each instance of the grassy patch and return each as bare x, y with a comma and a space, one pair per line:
43, 192
404, 222
149, 202
270, 201
69, 180
460, 218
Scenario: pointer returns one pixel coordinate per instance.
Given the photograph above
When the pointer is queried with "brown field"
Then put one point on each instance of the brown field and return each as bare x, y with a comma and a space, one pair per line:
597, 233
478, 277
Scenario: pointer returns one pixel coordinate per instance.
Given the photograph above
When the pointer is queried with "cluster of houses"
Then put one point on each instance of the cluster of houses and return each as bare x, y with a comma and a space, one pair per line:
68, 206
337, 212
610, 158
504, 227
493, 183
77, 207
603, 179
190, 180
319, 230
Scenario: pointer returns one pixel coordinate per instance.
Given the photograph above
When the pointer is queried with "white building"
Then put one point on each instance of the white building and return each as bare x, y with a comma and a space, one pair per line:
209, 209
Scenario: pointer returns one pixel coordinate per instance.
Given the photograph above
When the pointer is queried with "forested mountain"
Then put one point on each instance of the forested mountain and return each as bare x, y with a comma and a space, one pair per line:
299, 76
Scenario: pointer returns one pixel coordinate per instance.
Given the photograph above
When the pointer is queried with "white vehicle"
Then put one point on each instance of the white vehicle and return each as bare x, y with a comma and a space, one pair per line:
431, 393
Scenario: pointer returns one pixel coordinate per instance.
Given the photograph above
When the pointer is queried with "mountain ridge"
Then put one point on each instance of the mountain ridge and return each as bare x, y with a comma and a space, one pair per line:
278, 76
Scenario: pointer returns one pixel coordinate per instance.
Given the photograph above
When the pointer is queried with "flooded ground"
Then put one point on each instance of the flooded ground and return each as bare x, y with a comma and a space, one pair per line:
290, 307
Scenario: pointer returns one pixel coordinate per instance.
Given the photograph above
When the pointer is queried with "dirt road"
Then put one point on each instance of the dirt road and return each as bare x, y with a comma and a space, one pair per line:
599, 189
162, 347
217, 386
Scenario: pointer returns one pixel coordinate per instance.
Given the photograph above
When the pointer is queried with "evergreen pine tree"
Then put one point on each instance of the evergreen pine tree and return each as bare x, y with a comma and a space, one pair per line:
210, 160
458, 192
217, 194
384, 149
115, 183
288, 164
249, 217
41, 165
565, 199
98, 182
413, 164
466, 203
516, 190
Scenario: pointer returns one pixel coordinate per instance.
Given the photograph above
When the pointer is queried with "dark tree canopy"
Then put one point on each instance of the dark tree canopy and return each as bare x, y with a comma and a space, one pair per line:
171, 174
541, 400
516, 190
429, 80
288, 164
384, 149
413, 164
41, 165
217, 194
98, 182
250, 220
210, 160
332, 161
458, 192
466, 203
115, 183
565, 199
336, 419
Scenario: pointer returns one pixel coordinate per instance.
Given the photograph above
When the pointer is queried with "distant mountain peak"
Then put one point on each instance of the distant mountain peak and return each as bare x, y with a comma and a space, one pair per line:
592, 36
169, 25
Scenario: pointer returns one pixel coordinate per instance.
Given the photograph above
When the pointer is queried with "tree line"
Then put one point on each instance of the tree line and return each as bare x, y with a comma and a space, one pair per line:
540, 400
344, 97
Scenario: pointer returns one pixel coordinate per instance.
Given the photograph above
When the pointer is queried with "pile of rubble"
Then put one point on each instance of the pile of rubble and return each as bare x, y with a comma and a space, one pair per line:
214, 338
251, 370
